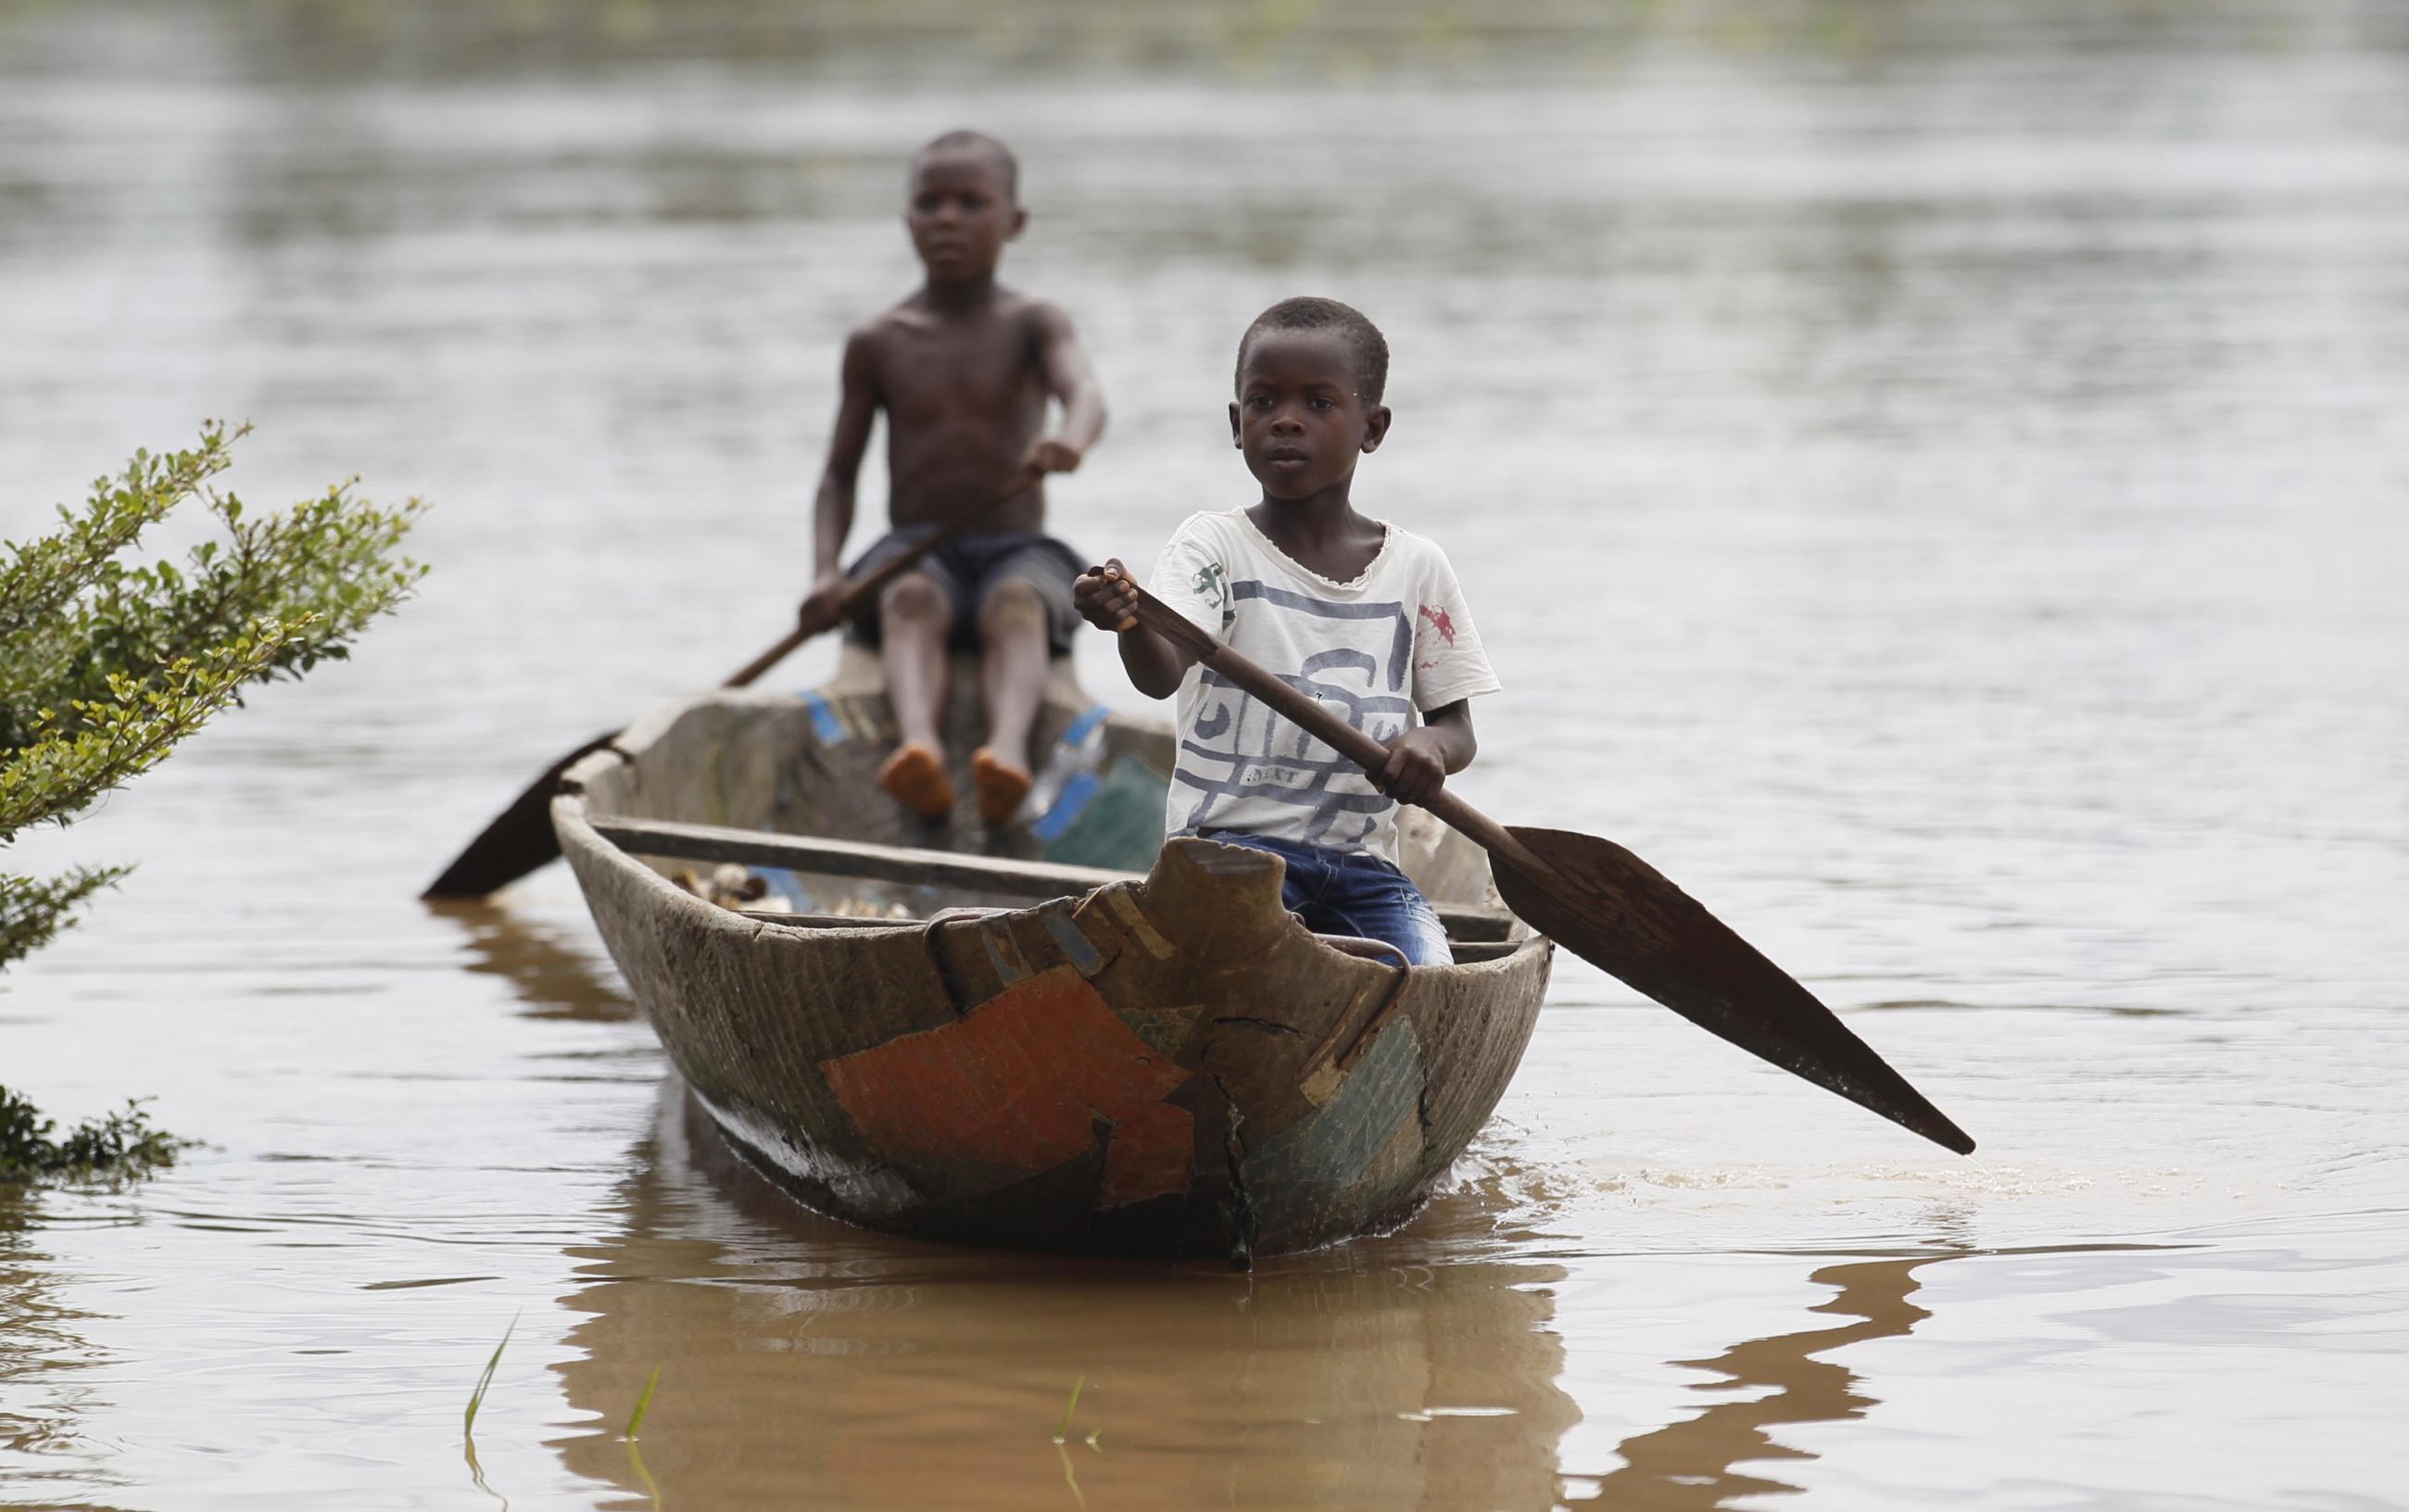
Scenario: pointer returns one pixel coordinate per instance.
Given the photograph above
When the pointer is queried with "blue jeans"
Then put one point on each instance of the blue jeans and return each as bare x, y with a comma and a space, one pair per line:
1349, 892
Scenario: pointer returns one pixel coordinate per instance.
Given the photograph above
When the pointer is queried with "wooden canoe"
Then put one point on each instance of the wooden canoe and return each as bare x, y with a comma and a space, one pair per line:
1009, 1039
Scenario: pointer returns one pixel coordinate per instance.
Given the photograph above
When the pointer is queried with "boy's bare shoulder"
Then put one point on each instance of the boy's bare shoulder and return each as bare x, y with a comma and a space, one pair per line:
1043, 327
872, 341
882, 325
1042, 316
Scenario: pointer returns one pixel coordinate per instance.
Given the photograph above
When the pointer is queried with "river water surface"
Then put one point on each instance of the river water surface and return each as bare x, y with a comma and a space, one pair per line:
1930, 475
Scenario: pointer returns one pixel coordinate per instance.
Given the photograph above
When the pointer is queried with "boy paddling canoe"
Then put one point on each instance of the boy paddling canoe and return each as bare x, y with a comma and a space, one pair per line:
964, 369
1357, 614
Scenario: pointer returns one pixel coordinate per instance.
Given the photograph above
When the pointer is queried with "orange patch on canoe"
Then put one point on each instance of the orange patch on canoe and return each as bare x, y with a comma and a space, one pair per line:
1015, 1087
1149, 1157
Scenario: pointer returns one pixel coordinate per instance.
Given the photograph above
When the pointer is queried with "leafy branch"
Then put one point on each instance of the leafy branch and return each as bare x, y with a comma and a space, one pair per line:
115, 1147
106, 664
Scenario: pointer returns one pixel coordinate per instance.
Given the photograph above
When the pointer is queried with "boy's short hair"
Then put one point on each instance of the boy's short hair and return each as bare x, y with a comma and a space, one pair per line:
1307, 312
977, 140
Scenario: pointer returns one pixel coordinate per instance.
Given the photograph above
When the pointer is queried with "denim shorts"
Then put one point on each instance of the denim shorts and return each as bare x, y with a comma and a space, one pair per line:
1352, 892
968, 568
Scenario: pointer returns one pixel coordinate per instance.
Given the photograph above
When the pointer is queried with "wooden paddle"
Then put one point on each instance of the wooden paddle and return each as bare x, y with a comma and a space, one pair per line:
1615, 910
520, 839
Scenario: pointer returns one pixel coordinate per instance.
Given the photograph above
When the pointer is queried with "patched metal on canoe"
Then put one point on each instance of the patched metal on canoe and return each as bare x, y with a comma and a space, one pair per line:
1017, 1086
1364, 1147
1171, 1066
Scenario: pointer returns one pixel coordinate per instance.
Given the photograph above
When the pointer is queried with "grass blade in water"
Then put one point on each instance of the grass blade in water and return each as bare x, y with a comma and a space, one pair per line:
1063, 1431
643, 1406
477, 1397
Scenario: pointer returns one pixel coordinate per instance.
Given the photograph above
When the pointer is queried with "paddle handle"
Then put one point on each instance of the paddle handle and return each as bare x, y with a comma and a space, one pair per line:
1306, 712
772, 657
870, 587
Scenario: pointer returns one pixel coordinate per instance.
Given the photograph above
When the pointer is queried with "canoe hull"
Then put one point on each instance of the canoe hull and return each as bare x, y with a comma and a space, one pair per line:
1171, 1066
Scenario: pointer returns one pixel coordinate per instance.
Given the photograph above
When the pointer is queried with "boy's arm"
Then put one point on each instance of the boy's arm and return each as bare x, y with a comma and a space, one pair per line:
1106, 600
1422, 760
1072, 379
832, 511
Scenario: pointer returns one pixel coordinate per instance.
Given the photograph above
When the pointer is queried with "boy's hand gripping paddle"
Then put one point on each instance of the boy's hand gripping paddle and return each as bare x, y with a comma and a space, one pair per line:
520, 839
1617, 913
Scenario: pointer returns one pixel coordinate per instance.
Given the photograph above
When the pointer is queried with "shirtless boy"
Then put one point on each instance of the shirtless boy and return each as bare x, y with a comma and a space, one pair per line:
964, 368
1364, 615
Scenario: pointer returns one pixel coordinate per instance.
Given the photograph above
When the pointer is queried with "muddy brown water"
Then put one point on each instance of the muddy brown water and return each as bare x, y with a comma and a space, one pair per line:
1930, 476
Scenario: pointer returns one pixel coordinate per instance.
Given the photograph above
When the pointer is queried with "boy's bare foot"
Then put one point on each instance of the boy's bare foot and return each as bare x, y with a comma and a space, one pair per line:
915, 776
1001, 786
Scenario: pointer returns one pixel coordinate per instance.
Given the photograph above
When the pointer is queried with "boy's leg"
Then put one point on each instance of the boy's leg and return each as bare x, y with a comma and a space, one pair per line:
1013, 656
1025, 620
1337, 892
915, 618
1368, 897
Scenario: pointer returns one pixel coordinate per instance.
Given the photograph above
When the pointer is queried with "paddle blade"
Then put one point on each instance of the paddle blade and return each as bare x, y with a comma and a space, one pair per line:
518, 840
1621, 914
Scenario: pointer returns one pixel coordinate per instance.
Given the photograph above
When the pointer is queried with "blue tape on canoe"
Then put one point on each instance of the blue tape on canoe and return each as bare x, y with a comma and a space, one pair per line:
1085, 958
825, 722
1077, 794
785, 883
1081, 728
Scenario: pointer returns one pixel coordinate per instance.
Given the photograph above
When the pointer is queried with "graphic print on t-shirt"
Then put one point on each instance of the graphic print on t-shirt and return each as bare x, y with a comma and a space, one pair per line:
1364, 676
1209, 580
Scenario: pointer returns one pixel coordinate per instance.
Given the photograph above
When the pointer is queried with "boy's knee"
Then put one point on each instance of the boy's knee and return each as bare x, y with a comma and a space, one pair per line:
915, 597
1013, 606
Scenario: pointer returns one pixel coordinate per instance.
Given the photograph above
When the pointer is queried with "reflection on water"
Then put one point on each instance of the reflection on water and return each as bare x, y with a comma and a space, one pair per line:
553, 979
797, 1352
41, 1403
1692, 1465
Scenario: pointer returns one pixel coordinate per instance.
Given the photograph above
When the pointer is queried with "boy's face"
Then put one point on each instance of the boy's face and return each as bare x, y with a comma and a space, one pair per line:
961, 214
1298, 417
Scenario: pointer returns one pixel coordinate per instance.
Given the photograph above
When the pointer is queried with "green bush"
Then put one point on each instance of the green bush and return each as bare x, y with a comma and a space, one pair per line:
106, 664
120, 1145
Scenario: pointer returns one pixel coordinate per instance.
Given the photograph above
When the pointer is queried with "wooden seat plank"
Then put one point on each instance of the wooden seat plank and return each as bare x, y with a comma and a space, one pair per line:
823, 857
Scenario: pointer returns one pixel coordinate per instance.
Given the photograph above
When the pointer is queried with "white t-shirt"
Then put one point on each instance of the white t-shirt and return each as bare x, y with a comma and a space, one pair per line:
1378, 652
